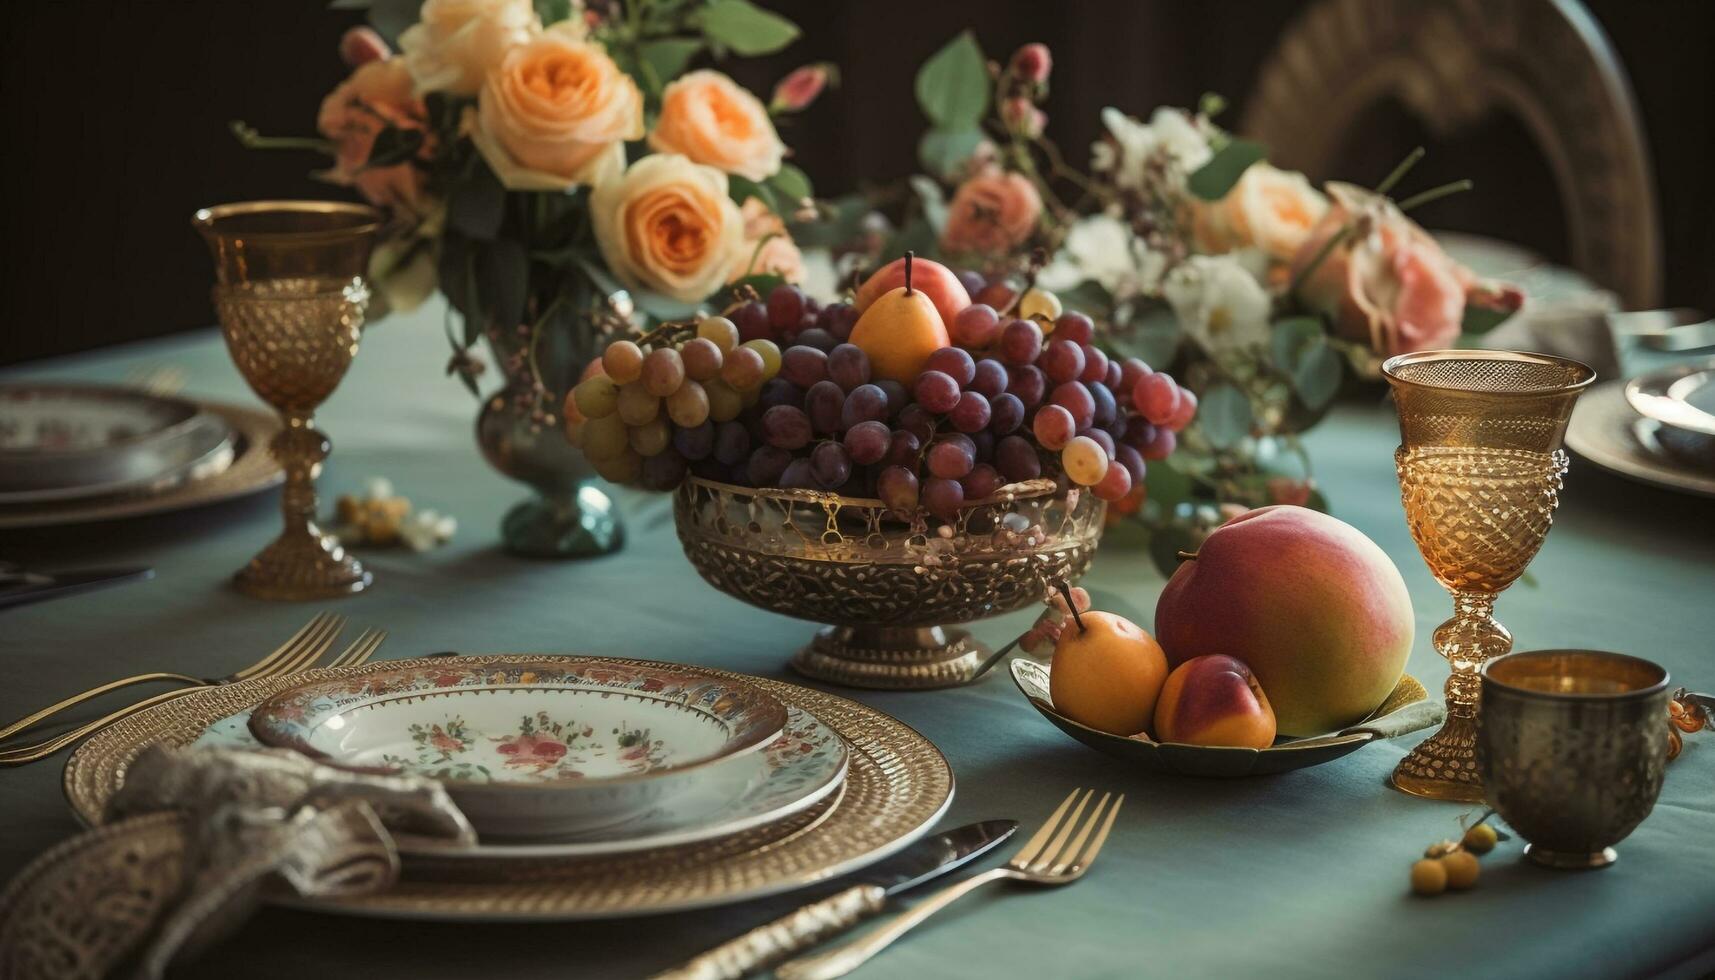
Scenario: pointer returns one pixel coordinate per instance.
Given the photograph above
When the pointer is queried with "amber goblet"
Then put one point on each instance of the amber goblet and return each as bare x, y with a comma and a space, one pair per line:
1480, 468
290, 297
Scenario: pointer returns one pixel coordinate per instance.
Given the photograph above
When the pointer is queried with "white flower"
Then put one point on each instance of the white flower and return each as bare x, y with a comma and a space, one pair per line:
426, 528
1219, 302
1104, 249
1170, 133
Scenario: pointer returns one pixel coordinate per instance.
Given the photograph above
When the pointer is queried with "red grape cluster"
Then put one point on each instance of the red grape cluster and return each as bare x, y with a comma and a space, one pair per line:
772, 396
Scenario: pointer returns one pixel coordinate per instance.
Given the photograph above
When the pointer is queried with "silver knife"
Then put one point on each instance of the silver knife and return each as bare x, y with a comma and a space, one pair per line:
19, 587
926, 860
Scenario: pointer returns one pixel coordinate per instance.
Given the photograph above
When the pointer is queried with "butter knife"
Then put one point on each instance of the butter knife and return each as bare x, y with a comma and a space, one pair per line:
924, 861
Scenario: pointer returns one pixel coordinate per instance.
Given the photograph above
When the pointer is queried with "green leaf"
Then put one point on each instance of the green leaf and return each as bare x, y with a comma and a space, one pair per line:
1214, 179
1224, 415
934, 201
1166, 541
1300, 349
456, 281
953, 85
551, 12
604, 281
941, 151
662, 307
917, 237
349, 5
669, 56
1317, 377
502, 281
742, 188
762, 282
1169, 486
477, 205
1153, 337
391, 17
843, 223
393, 146
746, 28
1480, 320
1089, 297
792, 183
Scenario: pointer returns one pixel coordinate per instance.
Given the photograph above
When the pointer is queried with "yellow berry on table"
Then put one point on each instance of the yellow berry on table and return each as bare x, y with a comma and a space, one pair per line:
1462, 869
1439, 848
1481, 839
1429, 877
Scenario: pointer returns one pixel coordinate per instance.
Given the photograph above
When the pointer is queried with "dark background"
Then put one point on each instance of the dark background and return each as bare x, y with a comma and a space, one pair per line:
116, 115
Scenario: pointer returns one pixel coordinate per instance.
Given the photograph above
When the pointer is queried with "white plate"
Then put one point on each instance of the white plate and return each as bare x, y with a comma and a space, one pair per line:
1682, 397
795, 772
534, 750
1606, 431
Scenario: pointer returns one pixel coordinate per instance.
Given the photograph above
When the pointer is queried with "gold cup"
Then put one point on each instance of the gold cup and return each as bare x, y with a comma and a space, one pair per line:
1480, 469
1572, 747
290, 298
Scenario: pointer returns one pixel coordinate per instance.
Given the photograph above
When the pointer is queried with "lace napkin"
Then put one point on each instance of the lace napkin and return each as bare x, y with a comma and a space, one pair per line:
190, 844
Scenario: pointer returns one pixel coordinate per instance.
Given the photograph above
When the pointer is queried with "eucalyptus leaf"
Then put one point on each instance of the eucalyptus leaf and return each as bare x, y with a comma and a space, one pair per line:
746, 28
477, 204
393, 146
762, 282
1153, 337
934, 201
604, 281
669, 56
1224, 415
941, 151
1166, 541
1289, 339
1089, 297
1479, 320
953, 85
1317, 376
551, 12
792, 183
502, 282
916, 236
662, 307
1168, 485
1214, 179
843, 223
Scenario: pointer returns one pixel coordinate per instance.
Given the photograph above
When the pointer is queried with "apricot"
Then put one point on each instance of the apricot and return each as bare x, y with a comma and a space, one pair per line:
1214, 700
1108, 674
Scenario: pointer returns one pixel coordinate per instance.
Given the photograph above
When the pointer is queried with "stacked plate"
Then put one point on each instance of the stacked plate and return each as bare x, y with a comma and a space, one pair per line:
1658, 428
598, 787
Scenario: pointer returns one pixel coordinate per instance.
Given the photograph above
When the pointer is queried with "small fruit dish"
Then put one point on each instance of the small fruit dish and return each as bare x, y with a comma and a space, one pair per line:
1407, 709
554, 749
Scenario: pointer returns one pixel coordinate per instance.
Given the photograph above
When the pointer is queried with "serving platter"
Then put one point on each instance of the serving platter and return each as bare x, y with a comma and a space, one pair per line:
1407, 709
795, 772
1682, 397
251, 470
897, 786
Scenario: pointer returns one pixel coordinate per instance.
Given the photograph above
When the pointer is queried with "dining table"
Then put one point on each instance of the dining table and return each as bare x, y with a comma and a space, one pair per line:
1301, 874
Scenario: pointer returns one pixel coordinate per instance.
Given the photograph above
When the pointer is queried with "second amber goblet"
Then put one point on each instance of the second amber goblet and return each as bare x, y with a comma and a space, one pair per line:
290, 298
1480, 469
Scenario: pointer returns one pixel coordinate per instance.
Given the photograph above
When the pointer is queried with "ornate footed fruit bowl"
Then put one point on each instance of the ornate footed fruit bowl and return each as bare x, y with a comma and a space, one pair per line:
887, 589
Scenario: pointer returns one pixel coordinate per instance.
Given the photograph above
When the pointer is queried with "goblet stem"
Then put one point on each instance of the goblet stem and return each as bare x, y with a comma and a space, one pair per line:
302, 563
1468, 641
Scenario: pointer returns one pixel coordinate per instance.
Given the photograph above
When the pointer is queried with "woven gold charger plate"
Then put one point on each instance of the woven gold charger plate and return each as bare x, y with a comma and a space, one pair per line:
897, 787
253, 469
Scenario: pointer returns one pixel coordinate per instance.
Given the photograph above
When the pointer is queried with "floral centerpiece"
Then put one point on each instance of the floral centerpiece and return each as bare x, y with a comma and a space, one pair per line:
558, 170
1256, 289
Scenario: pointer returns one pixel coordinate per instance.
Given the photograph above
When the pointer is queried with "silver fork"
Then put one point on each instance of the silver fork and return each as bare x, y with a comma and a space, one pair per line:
300, 653
1047, 858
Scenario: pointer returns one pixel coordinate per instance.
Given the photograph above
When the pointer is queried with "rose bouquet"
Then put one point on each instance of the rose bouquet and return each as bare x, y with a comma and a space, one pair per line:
1258, 291
558, 170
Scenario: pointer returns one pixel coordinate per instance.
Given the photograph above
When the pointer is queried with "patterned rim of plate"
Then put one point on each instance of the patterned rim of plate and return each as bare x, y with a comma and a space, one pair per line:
751, 717
822, 767
897, 786
253, 469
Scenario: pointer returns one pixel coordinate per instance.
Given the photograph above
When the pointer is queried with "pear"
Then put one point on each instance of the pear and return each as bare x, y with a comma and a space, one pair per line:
899, 331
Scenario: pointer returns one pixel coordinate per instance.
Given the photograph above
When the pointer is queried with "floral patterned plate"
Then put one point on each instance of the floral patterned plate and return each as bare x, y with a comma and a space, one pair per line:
802, 767
535, 749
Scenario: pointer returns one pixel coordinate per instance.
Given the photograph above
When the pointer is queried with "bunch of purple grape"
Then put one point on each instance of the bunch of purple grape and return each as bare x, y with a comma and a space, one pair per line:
1036, 398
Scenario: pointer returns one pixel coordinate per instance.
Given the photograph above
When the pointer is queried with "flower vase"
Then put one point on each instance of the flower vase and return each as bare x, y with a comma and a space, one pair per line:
569, 516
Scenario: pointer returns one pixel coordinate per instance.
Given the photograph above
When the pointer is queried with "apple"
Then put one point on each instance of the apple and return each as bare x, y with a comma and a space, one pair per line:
945, 290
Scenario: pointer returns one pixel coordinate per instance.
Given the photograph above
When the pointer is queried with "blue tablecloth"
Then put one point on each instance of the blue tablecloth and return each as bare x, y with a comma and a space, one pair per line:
1299, 875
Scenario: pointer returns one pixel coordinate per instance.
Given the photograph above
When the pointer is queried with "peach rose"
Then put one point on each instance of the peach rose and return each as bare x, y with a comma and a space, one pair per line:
456, 43
991, 213
1270, 209
556, 113
1389, 284
767, 249
712, 120
668, 225
378, 94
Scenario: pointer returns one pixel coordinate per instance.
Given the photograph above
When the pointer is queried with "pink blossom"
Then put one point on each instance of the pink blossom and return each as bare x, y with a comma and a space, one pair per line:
796, 91
1032, 62
361, 45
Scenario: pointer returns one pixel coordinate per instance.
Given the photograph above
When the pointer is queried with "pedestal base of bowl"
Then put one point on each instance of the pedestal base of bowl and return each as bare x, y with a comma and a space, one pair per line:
891, 658
1571, 860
